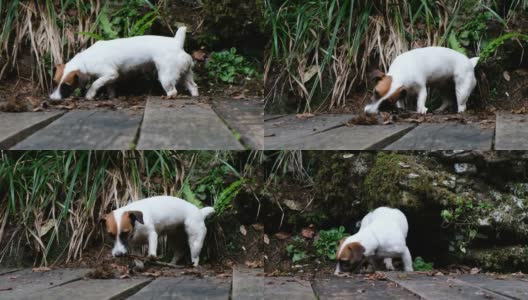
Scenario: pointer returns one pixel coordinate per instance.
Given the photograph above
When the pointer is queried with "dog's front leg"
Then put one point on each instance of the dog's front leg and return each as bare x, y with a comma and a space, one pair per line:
153, 244
422, 97
99, 83
407, 260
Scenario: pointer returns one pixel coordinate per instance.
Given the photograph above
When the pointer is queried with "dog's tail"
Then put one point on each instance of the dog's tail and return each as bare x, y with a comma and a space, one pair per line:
474, 61
207, 211
180, 36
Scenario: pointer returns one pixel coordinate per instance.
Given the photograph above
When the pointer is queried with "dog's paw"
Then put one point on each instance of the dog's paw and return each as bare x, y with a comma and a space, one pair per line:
422, 110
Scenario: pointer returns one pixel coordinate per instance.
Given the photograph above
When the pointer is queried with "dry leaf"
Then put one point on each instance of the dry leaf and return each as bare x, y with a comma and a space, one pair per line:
44, 229
152, 274
304, 116
474, 271
309, 73
254, 264
243, 230
124, 276
41, 269
258, 226
282, 235
506, 75
266, 239
308, 233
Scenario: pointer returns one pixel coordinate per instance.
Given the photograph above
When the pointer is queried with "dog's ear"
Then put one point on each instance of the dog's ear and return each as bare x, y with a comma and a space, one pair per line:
339, 247
72, 78
59, 71
356, 252
376, 75
135, 215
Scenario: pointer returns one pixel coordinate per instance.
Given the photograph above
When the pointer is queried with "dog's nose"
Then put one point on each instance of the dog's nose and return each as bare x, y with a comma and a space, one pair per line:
119, 254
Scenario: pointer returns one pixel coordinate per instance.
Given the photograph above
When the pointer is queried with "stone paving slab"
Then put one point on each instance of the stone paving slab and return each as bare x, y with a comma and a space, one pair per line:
445, 136
282, 130
182, 288
184, 125
511, 132
8, 270
441, 287
86, 130
25, 282
360, 289
361, 137
101, 289
511, 287
14, 127
245, 117
248, 285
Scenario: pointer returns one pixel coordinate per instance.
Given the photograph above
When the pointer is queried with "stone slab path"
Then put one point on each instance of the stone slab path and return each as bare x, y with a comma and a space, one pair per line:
15, 127
225, 124
445, 136
253, 284
328, 132
85, 130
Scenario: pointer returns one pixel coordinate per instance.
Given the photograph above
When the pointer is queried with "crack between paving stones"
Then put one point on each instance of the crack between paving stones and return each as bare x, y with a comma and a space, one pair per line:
135, 141
391, 139
131, 291
66, 282
26, 133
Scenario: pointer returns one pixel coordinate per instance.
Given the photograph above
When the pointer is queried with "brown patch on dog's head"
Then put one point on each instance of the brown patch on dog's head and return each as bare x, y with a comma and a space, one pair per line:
72, 78
129, 218
351, 253
382, 87
110, 224
400, 93
59, 71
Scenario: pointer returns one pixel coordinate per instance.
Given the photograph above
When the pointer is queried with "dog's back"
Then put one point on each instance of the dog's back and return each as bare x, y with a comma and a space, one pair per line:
385, 218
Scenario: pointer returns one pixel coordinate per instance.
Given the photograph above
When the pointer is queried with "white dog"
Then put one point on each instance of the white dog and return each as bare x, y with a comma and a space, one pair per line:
382, 234
108, 60
411, 72
145, 220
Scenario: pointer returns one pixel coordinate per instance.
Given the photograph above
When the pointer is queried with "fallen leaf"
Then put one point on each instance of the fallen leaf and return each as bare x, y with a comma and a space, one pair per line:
152, 274
44, 229
38, 109
308, 233
258, 226
41, 269
254, 264
309, 73
243, 230
282, 235
304, 116
266, 239
506, 75
474, 271
124, 276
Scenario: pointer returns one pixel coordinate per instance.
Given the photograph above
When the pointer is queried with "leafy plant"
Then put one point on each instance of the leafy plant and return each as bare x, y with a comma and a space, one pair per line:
420, 264
296, 249
496, 43
328, 242
227, 66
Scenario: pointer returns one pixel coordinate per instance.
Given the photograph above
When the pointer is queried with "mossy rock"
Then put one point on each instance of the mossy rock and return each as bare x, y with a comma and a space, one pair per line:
499, 259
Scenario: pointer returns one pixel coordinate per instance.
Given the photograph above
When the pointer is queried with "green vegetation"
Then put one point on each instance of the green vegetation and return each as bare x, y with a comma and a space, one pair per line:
421, 265
328, 241
227, 66
296, 249
321, 51
53, 200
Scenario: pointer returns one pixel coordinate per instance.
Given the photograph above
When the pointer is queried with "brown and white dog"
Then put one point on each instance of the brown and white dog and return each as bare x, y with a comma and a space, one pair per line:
145, 220
382, 234
412, 71
106, 61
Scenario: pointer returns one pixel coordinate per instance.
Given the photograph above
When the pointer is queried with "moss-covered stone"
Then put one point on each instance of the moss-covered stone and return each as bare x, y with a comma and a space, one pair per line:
501, 259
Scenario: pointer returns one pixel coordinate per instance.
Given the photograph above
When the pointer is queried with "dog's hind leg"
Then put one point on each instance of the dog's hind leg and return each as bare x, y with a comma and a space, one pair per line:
464, 87
177, 242
196, 234
192, 87
99, 83
407, 260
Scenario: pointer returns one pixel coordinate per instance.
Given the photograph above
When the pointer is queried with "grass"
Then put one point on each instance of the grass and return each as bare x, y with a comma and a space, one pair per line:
337, 42
53, 200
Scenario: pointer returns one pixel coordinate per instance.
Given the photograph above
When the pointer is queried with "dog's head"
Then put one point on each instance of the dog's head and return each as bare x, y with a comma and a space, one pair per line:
385, 89
349, 256
66, 81
121, 226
